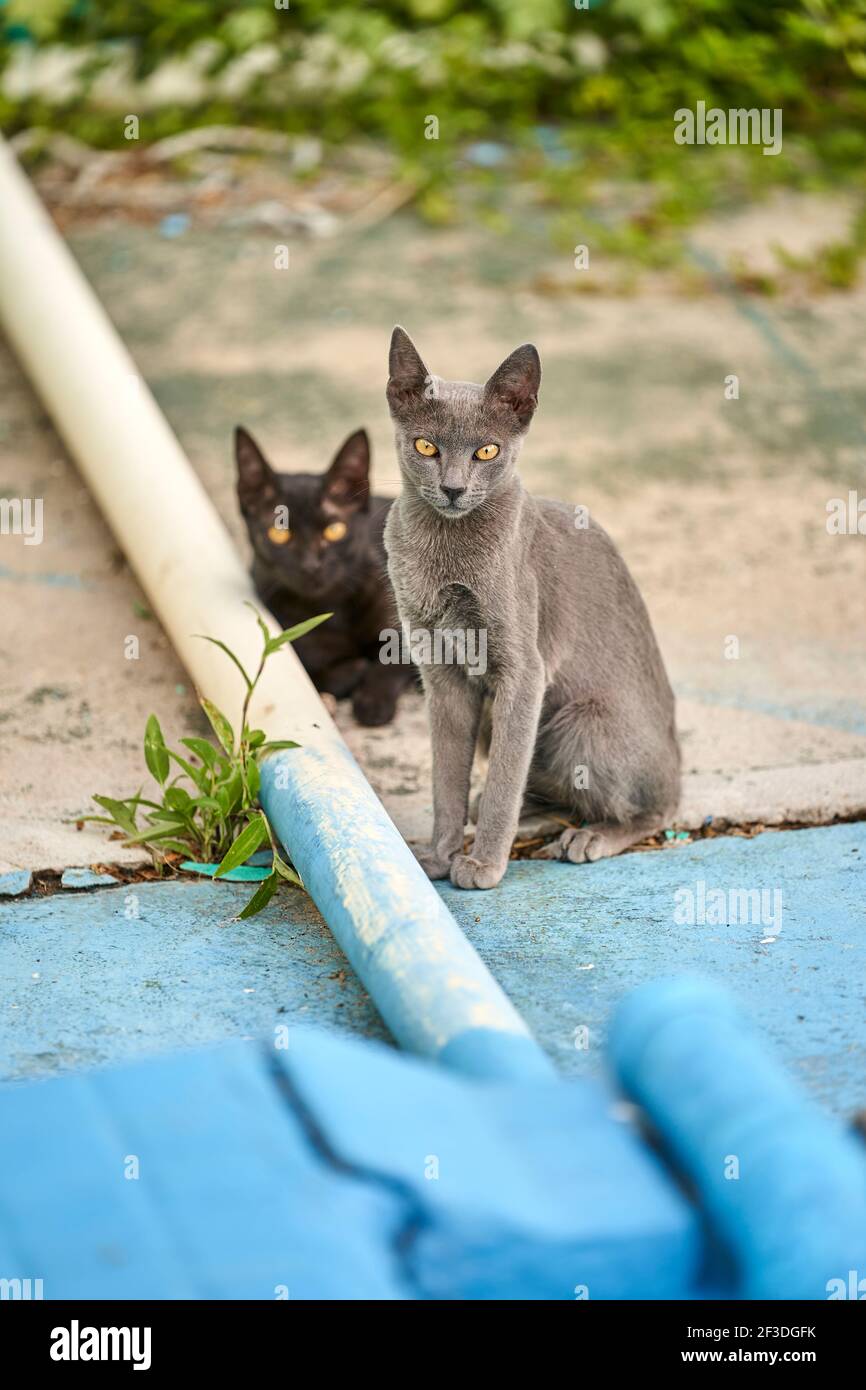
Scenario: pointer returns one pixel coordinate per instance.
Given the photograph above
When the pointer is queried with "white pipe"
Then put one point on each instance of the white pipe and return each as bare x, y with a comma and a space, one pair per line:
133, 464
430, 986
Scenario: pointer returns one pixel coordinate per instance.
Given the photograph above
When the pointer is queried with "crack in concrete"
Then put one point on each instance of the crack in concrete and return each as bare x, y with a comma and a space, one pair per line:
415, 1218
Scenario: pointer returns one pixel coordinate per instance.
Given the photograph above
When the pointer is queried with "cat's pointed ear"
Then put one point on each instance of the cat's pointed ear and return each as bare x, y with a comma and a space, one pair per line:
516, 381
256, 481
346, 485
407, 374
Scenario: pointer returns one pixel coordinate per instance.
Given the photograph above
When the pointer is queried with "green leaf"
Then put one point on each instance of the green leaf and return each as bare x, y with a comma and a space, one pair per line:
120, 811
277, 743
261, 897
254, 778
286, 871
255, 737
139, 800
203, 750
196, 775
220, 725
229, 653
246, 844
162, 830
167, 814
179, 846
155, 751
263, 627
229, 793
178, 800
292, 634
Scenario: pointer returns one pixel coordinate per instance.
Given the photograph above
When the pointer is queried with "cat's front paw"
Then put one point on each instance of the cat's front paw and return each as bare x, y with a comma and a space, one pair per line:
467, 872
433, 864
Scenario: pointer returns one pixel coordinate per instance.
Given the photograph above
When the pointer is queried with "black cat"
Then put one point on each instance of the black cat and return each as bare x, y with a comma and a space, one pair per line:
317, 546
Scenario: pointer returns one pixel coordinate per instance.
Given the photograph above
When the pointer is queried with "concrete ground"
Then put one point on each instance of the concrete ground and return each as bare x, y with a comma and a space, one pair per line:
719, 505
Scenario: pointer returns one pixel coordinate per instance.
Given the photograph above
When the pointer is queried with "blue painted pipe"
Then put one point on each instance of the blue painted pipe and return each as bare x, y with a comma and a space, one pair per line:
434, 993
783, 1184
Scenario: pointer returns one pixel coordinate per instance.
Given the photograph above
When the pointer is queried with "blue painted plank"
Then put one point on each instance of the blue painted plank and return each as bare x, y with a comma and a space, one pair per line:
64, 1205
523, 1190
336, 1169
784, 1183
314, 1186
231, 1198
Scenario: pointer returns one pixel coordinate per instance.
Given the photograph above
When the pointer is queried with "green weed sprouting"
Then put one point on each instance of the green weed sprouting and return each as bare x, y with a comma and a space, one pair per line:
216, 817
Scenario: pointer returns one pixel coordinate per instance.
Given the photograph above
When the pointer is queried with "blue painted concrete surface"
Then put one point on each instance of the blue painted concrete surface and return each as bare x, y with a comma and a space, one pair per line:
568, 941
15, 882
111, 986
84, 981
86, 878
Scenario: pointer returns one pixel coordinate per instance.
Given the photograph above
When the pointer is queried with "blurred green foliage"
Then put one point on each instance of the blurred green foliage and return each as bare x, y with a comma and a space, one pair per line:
576, 96
514, 61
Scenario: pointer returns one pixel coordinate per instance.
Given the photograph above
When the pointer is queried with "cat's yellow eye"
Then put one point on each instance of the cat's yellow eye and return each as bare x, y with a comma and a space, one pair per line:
426, 448
487, 451
335, 531
279, 535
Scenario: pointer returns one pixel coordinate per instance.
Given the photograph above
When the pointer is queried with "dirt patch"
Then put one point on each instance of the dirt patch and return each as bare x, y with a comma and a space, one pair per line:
47, 882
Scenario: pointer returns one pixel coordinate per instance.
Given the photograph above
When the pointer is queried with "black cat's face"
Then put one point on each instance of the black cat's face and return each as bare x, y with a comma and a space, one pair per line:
311, 530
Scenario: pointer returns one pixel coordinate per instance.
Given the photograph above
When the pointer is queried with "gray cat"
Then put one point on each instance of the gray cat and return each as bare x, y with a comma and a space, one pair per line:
574, 706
